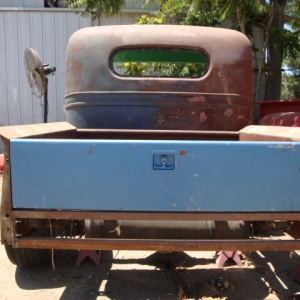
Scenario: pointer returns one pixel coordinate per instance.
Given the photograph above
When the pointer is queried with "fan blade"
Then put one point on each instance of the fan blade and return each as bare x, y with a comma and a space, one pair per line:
34, 72
32, 59
36, 83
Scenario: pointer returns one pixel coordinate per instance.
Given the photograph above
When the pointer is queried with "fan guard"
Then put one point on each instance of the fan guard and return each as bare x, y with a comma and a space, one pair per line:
36, 73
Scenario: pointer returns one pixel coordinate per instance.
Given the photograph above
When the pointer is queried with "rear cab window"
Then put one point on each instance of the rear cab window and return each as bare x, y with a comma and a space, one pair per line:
159, 62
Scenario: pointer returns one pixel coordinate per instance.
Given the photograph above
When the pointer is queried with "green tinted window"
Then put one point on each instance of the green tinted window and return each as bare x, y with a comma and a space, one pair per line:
159, 63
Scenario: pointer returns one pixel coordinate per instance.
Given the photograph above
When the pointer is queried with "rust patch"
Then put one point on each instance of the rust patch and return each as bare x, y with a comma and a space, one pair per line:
298, 169
198, 99
228, 112
202, 117
182, 153
224, 84
173, 117
294, 231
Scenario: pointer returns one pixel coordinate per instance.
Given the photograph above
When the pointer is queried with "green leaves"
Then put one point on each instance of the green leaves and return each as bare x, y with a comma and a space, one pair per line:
188, 70
170, 12
203, 13
288, 42
245, 15
97, 7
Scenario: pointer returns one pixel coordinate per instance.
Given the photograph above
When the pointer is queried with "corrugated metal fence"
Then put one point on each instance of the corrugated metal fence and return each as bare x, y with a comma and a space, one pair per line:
22, 3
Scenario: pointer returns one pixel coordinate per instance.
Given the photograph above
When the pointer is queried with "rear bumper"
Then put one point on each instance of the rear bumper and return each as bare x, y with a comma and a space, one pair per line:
254, 244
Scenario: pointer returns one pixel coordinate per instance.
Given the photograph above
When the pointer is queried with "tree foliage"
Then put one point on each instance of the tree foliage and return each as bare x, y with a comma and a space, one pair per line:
185, 12
97, 7
293, 11
291, 62
245, 15
170, 12
291, 79
279, 43
159, 69
288, 43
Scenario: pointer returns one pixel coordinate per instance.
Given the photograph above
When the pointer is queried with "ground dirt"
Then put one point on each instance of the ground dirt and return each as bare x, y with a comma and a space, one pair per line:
150, 275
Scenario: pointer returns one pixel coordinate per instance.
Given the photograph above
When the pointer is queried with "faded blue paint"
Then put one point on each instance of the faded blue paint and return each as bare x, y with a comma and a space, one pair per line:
119, 175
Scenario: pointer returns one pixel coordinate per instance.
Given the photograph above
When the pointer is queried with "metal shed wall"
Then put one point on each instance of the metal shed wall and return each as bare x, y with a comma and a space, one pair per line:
48, 33
22, 3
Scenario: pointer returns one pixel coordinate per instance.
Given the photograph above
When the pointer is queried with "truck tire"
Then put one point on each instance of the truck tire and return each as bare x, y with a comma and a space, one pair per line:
27, 257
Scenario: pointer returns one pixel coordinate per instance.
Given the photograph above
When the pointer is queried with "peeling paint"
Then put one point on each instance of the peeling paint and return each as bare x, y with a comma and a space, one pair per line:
240, 117
221, 75
160, 120
282, 147
192, 199
202, 117
195, 175
198, 99
228, 112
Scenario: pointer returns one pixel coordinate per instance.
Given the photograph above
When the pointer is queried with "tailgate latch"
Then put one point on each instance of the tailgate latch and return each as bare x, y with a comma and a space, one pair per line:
163, 161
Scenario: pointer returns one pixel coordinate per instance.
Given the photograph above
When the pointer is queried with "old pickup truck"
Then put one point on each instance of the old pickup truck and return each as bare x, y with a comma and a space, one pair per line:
157, 151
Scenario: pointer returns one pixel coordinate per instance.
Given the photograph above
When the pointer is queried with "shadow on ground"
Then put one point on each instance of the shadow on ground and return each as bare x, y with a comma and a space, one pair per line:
159, 276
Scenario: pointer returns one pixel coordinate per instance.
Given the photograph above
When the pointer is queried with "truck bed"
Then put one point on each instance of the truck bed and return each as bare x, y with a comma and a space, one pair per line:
60, 173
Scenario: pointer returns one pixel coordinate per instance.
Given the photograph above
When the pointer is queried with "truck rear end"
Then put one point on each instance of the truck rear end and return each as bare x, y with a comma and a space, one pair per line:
156, 154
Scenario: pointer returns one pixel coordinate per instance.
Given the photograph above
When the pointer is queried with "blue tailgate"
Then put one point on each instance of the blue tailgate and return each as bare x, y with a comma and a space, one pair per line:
123, 175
